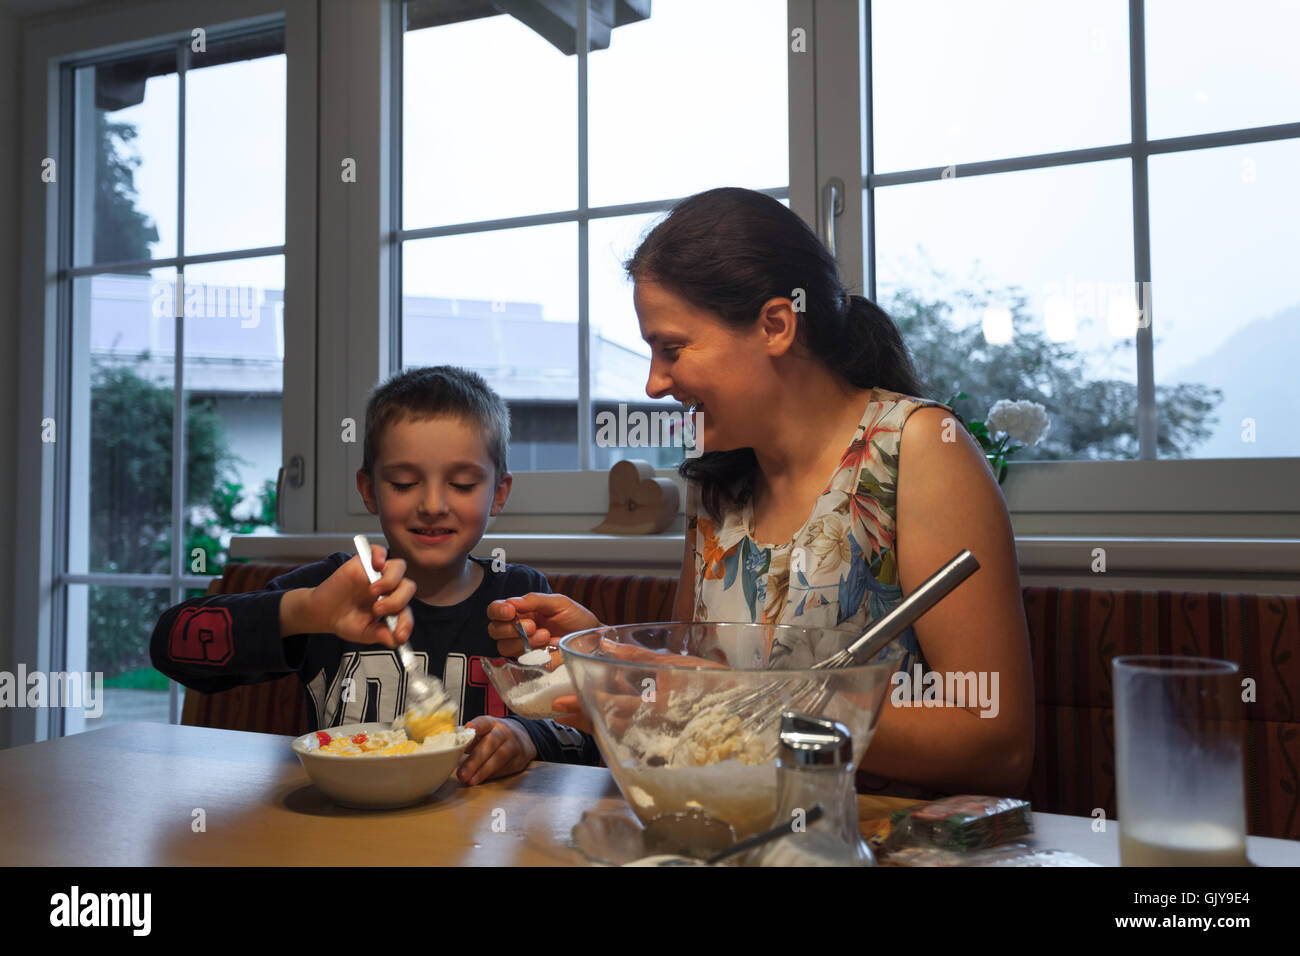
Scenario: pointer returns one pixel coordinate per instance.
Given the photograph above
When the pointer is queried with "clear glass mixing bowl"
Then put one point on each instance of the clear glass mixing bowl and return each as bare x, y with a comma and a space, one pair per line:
687, 716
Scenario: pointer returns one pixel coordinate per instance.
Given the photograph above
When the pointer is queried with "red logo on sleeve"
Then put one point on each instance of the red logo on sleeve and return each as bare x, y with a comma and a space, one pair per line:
201, 635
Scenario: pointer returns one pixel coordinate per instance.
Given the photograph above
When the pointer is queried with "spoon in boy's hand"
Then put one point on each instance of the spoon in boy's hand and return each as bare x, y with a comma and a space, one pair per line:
425, 695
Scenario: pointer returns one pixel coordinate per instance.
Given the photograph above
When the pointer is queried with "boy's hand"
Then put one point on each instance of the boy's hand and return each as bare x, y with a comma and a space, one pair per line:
347, 604
546, 618
500, 748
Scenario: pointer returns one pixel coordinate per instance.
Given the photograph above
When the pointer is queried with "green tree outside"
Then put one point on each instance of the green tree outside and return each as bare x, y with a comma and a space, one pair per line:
1091, 417
130, 507
131, 448
122, 232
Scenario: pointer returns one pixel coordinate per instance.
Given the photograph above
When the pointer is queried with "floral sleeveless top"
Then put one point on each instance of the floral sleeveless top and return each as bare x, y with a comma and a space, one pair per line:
838, 570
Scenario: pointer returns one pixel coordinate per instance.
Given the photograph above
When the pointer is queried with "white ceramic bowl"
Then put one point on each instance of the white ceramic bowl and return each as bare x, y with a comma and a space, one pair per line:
374, 782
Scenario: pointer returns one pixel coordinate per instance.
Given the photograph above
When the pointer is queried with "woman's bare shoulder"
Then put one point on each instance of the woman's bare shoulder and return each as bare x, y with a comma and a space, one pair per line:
932, 432
948, 497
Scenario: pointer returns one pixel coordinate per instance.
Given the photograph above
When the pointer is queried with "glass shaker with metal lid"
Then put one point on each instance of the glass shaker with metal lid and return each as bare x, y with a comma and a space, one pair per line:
815, 766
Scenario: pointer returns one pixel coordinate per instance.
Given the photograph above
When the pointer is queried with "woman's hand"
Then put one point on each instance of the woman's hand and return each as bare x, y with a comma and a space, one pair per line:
500, 748
620, 702
546, 618
574, 717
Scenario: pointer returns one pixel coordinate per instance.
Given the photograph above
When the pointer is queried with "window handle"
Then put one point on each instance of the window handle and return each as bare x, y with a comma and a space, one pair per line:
832, 206
293, 476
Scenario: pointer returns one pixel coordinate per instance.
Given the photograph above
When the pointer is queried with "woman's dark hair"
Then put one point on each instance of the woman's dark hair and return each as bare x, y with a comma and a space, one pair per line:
729, 251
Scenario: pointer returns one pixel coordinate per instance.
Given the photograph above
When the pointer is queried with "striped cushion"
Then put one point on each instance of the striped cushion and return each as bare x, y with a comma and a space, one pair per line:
274, 707
1076, 632
620, 598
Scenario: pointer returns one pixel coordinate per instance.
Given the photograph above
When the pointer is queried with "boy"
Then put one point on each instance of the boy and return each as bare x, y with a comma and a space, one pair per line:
434, 471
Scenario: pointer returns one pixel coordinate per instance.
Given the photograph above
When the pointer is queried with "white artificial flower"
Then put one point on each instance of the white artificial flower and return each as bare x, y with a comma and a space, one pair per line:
1024, 422
202, 515
248, 507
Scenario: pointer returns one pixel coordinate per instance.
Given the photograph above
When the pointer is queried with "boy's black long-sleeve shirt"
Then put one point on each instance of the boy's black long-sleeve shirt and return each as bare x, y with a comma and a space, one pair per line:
214, 643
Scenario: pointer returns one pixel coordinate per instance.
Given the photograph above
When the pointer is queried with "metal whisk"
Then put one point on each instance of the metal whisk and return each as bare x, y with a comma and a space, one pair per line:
760, 708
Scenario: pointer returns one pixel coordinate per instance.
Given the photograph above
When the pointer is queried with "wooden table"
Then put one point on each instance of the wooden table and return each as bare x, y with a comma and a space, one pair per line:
127, 795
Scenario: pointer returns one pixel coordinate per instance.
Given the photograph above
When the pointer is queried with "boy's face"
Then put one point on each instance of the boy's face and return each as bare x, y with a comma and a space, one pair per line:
434, 489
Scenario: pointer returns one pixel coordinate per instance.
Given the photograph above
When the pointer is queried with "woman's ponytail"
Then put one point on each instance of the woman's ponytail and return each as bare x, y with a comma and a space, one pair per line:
873, 354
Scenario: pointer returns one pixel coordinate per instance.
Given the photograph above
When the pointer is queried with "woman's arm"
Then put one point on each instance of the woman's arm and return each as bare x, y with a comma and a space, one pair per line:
948, 500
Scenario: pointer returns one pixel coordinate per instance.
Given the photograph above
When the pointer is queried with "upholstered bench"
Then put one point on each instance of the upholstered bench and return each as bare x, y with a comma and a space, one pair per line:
1074, 634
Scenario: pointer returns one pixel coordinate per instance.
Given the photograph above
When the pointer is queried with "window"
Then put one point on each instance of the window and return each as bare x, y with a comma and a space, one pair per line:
531, 168
175, 366
505, 172
1090, 206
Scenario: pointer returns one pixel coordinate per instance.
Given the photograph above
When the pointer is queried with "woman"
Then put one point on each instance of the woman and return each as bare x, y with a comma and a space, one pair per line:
748, 322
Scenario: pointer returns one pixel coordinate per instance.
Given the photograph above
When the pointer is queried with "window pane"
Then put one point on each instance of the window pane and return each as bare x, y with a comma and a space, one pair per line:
235, 145
505, 304
125, 176
691, 98
1213, 67
108, 634
1013, 286
234, 380
490, 121
956, 82
620, 360
1224, 245
120, 486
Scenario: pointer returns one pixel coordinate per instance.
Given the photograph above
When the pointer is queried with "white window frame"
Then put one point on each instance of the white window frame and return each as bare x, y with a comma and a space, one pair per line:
340, 283
53, 47
560, 501
1149, 497
1237, 497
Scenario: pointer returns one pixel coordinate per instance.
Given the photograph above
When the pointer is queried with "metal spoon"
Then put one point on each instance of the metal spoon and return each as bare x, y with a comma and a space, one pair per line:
693, 832
814, 814
523, 636
424, 694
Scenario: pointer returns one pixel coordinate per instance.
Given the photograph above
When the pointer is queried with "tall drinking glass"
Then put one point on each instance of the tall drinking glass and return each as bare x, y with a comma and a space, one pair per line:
1179, 783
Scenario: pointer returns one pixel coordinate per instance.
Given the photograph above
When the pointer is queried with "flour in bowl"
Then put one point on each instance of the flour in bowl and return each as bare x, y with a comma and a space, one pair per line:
696, 754
537, 696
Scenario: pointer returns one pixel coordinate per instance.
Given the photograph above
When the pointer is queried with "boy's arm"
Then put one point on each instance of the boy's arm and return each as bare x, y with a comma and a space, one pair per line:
557, 743
220, 641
